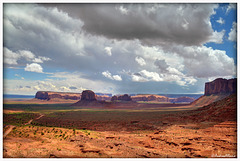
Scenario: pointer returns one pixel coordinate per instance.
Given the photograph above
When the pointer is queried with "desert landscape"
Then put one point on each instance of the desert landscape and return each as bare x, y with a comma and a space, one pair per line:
47, 127
119, 80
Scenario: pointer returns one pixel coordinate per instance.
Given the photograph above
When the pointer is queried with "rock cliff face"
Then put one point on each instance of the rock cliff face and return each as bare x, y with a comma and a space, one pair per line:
221, 86
47, 95
88, 95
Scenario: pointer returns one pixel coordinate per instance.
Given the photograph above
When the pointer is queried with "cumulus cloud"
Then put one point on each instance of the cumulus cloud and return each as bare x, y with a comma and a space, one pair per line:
203, 62
220, 20
150, 41
107, 74
140, 61
28, 55
232, 36
145, 22
59, 82
10, 57
34, 67
108, 51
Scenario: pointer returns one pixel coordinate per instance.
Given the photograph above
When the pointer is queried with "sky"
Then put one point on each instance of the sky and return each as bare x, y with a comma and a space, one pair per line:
117, 48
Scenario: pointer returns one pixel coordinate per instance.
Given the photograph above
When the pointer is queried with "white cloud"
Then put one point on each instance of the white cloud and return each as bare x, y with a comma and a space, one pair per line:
40, 59
107, 74
117, 77
151, 76
220, 20
108, 50
204, 62
140, 61
10, 57
233, 33
123, 10
59, 82
152, 52
217, 37
34, 67
28, 55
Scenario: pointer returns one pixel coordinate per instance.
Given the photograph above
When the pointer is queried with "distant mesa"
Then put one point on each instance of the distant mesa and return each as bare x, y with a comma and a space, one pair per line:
148, 97
124, 98
182, 99
221, 86
48, 95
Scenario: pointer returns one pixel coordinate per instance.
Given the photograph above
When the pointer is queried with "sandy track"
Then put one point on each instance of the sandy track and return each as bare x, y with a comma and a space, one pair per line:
29, 122
11, 126
8, 130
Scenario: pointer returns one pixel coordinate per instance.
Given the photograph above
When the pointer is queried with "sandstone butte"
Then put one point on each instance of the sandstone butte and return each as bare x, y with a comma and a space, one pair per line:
221, 86
217, 90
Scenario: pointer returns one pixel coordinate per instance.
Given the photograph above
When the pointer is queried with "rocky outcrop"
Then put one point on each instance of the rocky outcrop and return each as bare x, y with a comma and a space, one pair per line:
114, 98
124, 97
89, 98
221, 86
48, 95
88, 95
146, 97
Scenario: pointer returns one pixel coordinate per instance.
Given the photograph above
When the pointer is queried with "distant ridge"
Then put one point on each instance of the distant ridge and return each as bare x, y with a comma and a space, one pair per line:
17, 96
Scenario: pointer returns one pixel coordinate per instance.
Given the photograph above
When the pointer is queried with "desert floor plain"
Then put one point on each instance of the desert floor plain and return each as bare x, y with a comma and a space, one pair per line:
49, 129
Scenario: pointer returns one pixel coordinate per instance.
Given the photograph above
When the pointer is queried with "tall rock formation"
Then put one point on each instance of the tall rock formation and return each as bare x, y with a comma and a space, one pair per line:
88, 95
221, 86
89, 99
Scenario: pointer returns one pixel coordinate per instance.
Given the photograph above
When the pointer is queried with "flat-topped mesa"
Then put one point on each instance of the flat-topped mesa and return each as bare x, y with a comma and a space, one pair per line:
48, 95
124, 97
221, 86
148, 97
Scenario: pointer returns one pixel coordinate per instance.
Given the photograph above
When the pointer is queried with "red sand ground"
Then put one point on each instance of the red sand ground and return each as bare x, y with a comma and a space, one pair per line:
209, 131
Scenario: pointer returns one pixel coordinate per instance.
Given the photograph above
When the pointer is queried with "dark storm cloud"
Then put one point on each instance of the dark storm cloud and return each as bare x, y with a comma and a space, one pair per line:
153, 24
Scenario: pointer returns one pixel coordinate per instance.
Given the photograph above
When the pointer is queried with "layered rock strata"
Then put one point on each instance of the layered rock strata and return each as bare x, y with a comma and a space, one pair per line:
221, 86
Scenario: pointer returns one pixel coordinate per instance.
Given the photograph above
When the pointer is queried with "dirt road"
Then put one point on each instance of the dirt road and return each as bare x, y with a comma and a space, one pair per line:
8, 130
29, 122
11, 126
